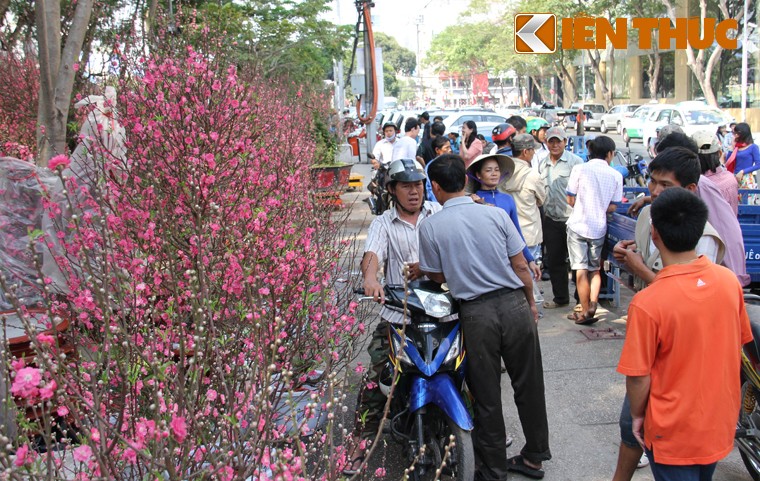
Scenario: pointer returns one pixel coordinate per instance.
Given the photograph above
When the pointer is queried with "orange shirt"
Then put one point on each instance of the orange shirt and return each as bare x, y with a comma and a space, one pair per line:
686, 331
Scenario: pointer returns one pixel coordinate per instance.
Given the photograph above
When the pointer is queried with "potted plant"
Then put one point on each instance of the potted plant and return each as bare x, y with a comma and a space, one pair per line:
329, 177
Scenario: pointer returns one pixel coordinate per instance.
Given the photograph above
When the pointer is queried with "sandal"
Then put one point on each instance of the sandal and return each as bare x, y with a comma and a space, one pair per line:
354, 467
517, 465
578, 308
592, 309
553, 305
581, 319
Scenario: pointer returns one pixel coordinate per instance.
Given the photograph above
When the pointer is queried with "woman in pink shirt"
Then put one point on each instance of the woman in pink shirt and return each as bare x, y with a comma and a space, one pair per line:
471, 146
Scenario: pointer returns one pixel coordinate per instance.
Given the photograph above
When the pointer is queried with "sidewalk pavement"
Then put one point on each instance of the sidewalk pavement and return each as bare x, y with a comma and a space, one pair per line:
584, 393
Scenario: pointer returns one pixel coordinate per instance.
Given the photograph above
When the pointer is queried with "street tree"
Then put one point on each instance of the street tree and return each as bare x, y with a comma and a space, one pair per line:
401, 59
704, 61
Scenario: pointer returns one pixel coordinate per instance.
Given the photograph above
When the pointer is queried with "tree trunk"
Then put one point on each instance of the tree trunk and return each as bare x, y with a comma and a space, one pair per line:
703, 72
57, 72
596, 64
564, 74
537, 87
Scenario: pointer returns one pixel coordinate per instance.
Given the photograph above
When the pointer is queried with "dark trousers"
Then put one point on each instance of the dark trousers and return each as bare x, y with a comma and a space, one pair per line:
693, 472
555, 240
499, 326
371, 403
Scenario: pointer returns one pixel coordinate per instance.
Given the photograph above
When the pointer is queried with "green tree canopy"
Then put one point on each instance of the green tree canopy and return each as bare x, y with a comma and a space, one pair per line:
401, 59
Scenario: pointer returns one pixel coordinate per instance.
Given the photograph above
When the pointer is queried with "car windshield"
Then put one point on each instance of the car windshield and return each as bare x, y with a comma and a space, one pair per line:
703, 117
641, 113
631, 108
594, 108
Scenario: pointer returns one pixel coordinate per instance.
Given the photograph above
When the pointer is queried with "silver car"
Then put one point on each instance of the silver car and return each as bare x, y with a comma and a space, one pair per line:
614, 118
593, 122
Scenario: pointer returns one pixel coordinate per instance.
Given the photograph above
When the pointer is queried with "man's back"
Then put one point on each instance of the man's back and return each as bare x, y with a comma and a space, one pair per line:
685, 331
405, 148
595, 186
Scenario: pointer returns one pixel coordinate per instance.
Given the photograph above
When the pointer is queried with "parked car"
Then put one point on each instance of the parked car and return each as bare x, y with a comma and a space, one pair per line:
690, 118
484, 120
633, 126
613, 119
593, 121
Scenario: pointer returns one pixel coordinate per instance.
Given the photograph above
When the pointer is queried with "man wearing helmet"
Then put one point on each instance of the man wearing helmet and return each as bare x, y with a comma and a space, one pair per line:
502, 136
383, 150
392, 243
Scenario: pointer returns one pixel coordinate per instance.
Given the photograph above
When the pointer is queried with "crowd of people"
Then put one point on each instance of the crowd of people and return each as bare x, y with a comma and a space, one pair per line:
485, 218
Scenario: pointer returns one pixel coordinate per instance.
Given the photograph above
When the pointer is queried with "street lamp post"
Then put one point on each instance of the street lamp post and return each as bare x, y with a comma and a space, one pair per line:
745, 38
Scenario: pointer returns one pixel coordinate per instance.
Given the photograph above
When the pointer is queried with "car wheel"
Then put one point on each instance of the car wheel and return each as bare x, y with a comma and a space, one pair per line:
626, 137
603, 128
619, 128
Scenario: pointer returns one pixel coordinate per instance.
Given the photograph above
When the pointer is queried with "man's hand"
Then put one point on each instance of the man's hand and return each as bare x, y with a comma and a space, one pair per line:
412, 271
739, 177
477, 199
374, 289
375, 164
620, 251
535, 270
638, 430
635, 208
534, 311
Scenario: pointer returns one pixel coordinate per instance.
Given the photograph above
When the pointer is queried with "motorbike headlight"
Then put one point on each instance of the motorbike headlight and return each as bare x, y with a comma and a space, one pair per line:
435, 305
454, 349
401, 354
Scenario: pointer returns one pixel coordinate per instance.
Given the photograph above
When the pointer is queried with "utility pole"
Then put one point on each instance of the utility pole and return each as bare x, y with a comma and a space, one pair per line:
369, 91
745, 39
419, 20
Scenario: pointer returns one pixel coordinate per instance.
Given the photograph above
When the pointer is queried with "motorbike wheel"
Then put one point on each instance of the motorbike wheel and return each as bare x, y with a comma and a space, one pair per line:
460, 463
750, 421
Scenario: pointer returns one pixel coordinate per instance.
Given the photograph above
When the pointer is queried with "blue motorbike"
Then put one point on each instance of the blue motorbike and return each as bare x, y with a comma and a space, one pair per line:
428, 412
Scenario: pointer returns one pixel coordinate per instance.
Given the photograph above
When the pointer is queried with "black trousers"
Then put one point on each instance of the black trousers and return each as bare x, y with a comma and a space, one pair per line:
499, 326
555, 241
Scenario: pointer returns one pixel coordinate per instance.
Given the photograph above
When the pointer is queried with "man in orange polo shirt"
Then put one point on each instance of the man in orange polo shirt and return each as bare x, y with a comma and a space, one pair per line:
682, 360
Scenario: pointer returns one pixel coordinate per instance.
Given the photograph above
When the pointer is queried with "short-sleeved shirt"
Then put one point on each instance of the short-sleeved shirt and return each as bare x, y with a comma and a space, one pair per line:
685, 331
405, 148
383, 151
594, 185
555, 177
395, 242
471, 245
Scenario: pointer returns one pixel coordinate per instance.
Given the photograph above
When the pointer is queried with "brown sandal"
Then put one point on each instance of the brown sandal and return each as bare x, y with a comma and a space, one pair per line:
582, 319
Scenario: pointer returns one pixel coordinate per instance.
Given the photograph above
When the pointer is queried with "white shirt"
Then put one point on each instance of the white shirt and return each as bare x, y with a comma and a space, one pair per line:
405, 148
383, 150
595, 185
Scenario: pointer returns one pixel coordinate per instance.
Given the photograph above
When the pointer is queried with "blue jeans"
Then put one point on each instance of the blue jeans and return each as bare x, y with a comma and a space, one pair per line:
669, 472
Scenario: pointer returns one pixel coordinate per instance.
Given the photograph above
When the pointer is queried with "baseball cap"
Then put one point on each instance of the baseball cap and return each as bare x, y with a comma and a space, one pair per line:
667, 130
523, 142
706, 141
557, 132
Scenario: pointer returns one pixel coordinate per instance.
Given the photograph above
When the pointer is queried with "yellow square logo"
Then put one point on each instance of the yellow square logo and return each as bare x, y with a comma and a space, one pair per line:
535, 33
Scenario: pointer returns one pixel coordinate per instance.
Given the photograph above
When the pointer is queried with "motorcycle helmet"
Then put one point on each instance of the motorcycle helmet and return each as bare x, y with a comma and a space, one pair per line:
502, 132
390, 124
405, 170
537, 124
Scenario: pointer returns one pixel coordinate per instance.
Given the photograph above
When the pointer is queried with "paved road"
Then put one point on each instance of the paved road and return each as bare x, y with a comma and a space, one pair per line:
583, 391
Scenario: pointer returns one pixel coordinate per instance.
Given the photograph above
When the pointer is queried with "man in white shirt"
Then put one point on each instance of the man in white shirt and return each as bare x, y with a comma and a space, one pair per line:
383, 150
591, 191
406, 146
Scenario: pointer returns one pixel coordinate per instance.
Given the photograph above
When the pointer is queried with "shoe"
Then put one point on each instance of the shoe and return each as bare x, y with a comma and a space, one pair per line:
545, 276
510, 440
554, 305
643, 462
517, 464
355, 466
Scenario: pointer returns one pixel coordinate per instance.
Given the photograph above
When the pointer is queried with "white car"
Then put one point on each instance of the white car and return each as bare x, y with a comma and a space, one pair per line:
690, 118
485, 121
613, 119
633, 126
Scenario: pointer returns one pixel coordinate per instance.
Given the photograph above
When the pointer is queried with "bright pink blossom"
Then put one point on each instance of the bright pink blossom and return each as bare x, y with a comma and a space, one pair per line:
179, 428
26, 382
83, 454
59, 160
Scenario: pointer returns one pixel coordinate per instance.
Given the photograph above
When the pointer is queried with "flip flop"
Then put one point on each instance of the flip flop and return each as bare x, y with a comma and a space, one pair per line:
581, 319
355, 466
517, 465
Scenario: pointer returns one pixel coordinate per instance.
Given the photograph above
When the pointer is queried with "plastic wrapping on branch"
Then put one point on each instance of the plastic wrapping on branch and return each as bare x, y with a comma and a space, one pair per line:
23, 189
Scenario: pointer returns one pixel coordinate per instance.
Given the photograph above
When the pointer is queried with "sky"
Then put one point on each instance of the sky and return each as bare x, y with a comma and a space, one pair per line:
397, 18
